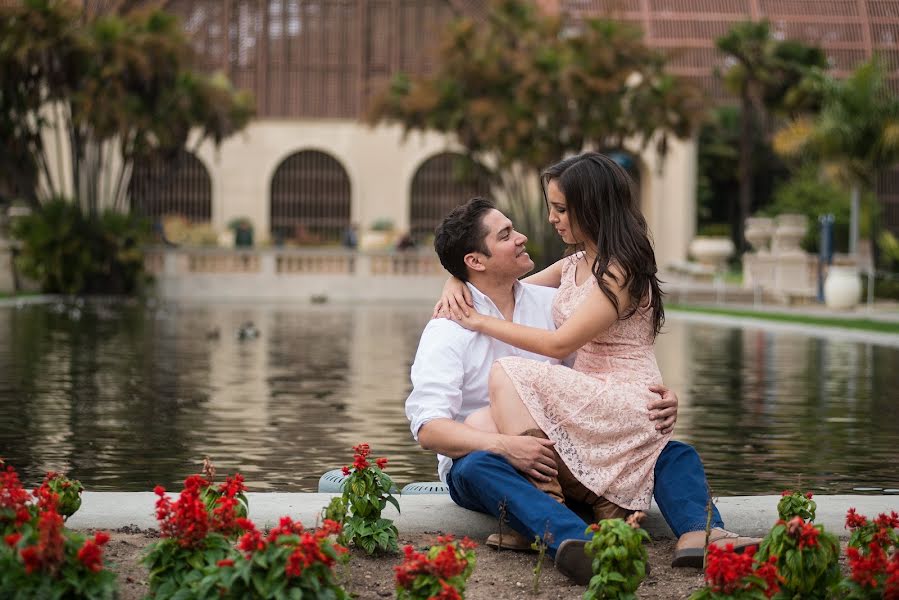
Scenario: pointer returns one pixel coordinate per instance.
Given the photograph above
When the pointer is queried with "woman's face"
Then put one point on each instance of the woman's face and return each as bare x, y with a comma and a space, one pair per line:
559, 215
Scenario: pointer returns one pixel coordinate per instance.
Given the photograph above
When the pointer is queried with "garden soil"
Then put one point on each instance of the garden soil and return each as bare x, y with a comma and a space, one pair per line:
499, 575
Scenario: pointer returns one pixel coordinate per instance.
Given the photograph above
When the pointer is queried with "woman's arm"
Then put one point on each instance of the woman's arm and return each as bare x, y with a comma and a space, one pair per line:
592, 317
456, 297
551, 276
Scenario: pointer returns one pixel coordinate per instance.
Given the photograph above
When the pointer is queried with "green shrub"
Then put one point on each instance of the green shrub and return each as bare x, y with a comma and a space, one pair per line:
807, 194
68, 252
619, 559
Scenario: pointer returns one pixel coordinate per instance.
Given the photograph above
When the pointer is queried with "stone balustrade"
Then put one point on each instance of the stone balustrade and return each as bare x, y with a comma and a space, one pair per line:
777, 265
293, 273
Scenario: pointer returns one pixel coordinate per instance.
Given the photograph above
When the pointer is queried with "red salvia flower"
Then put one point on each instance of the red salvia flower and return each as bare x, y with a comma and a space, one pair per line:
225, 562
725, 569
382, 463
345, 470
12, 539
185, 520
13, 499
233, 486
447, 592
91, 556
855, 520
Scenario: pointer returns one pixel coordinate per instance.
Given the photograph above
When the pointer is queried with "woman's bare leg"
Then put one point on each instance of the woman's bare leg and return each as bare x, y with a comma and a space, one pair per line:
482, 420
509, 412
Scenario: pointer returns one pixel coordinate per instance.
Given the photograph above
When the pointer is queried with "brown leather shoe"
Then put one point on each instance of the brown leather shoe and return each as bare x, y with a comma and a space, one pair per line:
509, 539
690, 547
573, 562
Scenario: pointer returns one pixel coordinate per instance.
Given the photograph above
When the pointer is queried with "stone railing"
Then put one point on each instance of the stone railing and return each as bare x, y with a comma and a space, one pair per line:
273, 273
777, 264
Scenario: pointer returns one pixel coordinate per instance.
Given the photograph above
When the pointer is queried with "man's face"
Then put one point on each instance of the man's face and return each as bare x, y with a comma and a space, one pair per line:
507, 252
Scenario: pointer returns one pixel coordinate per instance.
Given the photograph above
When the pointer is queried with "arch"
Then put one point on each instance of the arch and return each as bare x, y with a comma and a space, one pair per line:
441, 183
178, 186
310, 199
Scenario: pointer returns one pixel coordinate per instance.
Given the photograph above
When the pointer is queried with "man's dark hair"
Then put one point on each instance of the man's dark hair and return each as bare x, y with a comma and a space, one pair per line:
461, 232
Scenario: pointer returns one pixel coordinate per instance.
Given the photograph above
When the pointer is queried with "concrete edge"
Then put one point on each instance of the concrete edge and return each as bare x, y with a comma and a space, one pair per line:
427, 513
829, 332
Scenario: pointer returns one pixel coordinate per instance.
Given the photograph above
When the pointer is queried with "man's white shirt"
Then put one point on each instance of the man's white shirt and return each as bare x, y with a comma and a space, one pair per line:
452, 365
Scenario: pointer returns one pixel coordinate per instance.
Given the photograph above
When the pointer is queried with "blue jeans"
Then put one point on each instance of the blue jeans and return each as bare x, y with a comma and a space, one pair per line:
487, 483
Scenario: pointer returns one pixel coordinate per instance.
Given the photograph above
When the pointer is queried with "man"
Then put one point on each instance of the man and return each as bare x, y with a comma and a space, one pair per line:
484, 471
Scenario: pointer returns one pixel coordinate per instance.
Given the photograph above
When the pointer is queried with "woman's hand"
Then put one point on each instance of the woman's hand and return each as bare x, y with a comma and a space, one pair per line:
454, 300
473, 320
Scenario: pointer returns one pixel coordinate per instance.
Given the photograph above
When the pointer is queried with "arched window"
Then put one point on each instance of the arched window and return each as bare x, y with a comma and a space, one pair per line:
179, 186
310, 199
440, 184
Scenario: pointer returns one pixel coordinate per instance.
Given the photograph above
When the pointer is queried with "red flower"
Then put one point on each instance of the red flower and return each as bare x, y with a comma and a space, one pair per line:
809, 495
382, 463
185, 520
786, 493
91, 556
855, 520
345, 470
225, 562
725, 569
447, 563
14, 498
865, 570
12, 539
806, 533
447, 592
233, 486
362, 450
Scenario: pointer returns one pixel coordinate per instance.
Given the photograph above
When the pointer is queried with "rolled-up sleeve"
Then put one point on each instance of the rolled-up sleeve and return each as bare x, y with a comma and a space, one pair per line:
438, 374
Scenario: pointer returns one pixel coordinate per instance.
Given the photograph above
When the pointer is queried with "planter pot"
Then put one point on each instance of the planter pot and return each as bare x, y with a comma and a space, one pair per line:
758, 232
376, 240
842, 288
712, 250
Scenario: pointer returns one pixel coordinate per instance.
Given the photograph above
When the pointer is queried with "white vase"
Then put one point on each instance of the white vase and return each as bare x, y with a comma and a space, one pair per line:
842, 288
758, 232
711, 250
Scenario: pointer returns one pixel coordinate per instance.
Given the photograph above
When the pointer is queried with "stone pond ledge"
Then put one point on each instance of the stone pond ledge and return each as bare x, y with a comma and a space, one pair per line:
749, 515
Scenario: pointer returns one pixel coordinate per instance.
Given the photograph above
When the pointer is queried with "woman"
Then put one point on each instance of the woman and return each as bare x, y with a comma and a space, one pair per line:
608, 311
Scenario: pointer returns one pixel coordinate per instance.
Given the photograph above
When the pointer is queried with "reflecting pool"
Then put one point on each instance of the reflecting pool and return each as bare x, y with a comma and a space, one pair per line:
124, 396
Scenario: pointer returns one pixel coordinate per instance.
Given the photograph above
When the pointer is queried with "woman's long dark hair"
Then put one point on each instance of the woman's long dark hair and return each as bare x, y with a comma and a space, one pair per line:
602, 205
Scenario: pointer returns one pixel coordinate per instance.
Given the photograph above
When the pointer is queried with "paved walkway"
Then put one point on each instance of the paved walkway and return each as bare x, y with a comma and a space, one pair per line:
749, 515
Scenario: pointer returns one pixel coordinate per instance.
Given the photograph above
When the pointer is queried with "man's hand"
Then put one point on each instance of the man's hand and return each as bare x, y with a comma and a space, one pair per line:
663, 409
532, 456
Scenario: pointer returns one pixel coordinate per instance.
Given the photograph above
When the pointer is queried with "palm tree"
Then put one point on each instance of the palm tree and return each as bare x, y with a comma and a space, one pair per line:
767, 74
855, 136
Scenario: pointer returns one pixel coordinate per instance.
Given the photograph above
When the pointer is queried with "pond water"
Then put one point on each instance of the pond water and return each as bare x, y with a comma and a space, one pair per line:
124, 396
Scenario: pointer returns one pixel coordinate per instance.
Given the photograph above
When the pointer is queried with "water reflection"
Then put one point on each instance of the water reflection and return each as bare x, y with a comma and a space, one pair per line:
125, 396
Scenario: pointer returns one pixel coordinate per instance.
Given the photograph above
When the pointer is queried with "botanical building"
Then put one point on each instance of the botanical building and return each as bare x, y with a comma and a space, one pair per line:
307, 167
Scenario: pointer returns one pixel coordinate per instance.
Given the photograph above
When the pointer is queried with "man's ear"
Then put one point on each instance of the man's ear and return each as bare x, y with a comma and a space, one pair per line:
474, 261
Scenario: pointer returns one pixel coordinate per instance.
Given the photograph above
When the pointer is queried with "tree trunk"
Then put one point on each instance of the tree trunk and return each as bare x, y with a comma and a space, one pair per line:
853, 219
744, 171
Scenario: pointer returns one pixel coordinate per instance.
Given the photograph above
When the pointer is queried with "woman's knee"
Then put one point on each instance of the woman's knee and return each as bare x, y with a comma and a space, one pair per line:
482, 420
498, 381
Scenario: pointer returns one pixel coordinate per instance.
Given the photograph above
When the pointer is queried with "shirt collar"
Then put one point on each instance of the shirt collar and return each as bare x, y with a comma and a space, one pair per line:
483, 300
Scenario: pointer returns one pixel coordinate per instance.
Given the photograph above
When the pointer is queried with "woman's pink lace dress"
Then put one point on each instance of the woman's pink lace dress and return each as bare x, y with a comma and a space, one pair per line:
596, 412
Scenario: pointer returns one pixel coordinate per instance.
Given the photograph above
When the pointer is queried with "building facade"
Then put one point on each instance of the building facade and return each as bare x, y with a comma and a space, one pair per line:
307, 168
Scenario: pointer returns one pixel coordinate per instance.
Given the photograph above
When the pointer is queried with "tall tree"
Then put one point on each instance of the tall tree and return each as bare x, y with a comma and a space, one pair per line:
768, 75
855, 136
521, 90
108, 91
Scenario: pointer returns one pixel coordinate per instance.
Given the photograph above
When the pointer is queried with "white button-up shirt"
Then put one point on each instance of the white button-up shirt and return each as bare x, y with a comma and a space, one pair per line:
452, 365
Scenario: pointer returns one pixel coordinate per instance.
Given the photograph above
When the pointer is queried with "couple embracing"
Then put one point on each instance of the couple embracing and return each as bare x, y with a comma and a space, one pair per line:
543, 393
